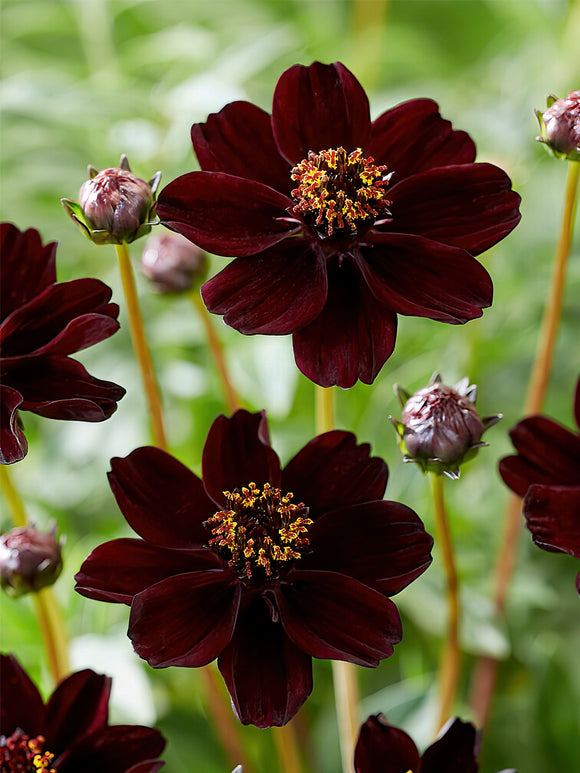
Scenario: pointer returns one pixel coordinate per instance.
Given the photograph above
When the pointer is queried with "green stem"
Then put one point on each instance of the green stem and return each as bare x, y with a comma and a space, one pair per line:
451, 657
344, 674
49, 617
486, 669
217, 352
140, 345
287, 746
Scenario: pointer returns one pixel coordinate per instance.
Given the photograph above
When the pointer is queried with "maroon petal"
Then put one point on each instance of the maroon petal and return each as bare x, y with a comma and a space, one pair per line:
227, 215
21, 705
267, 676
553, 516
162, 500
330, 615
471, 206
116, 571
239, 141
148, 766
185, 620
318, 107
382, 748
237, 452
65, 318
60, 388
275, 292
382, 544
332, 471
13, 445
27, 267
547, 453
412, 137
79, 705
455, 751
351, 339
422, 278
115, 750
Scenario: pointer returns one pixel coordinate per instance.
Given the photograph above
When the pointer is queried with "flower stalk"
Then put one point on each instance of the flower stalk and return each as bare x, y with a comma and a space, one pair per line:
451, 658
346, 693
140, 345
287, 746
48, 613
217, 352
486, 671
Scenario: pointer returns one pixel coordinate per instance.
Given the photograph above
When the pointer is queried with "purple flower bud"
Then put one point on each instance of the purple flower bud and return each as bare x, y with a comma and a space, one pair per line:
173, 263
114, 205
29, 559
560, 126
440, 427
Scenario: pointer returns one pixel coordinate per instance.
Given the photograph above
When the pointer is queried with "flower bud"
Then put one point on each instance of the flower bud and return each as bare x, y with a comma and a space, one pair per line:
560, 126
173, 263
440, 427
29, 559
115, 206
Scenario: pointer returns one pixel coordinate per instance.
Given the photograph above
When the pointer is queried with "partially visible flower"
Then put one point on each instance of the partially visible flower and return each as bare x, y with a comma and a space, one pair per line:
41, 323
339, 223
560, 126
383, 748
440, 428
69, 733
30, 559
172, 263
546, 472
260, 567
114, 205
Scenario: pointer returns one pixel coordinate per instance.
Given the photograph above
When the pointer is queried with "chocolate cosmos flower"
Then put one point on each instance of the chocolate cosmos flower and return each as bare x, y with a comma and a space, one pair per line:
546, 472
258, 566
382, 748
41, 323
70, 733
338, 223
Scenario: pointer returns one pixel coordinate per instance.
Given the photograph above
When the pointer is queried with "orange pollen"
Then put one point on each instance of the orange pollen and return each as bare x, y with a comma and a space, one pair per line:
19, 752
261, 530
339, 191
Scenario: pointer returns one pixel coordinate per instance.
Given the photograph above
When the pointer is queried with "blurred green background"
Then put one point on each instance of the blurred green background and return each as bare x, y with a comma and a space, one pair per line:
86, 80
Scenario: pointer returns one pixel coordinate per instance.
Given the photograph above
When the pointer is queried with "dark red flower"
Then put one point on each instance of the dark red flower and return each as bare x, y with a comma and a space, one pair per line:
71, 731
258, 566
546, 472
383, 748
338, 223
42, 321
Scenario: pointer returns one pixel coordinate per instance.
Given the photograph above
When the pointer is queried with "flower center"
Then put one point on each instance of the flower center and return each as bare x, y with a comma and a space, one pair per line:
339, 192
261, 530
23, 754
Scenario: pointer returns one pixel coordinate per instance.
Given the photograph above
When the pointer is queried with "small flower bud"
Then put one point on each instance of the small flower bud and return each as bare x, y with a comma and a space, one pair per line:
560, 126
115, 206
440, 428
29, 559
173, 263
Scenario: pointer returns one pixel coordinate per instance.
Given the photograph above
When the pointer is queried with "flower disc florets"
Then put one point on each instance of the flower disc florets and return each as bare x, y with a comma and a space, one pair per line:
339, 191
261, 529
24, 754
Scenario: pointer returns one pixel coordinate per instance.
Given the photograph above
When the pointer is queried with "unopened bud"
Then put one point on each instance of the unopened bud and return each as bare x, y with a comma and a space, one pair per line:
114, 206
560, 126
440, 428
29, 559
173, 263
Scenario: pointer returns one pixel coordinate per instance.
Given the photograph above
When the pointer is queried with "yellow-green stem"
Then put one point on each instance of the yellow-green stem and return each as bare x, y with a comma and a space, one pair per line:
217, 352
225, 724
287, 746
48, 613
451, 657
344, 674
140, 345
485, 674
